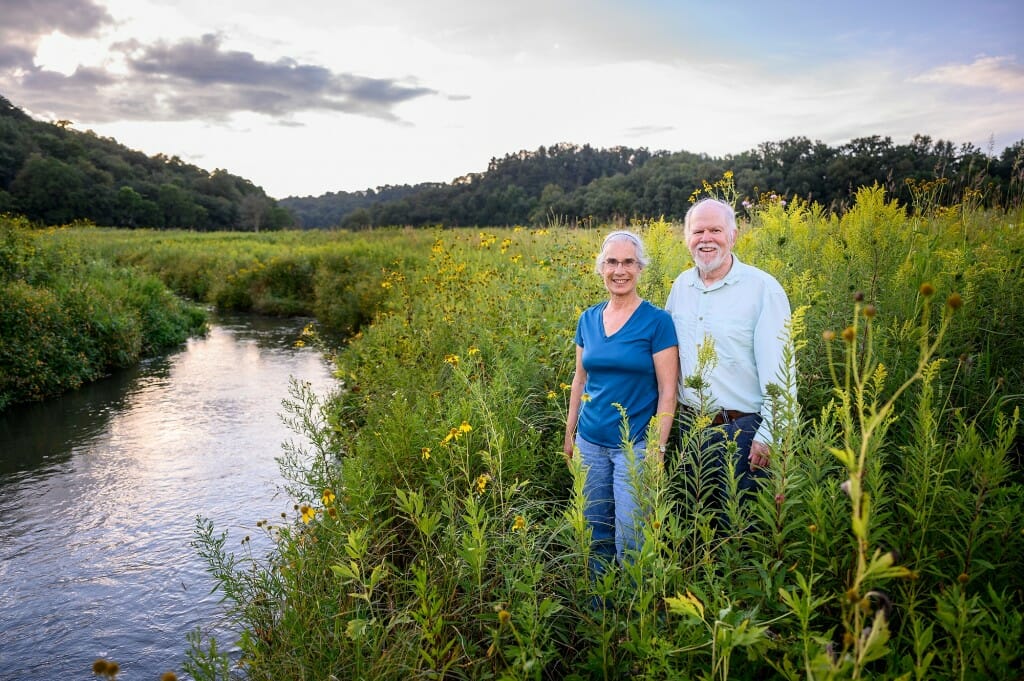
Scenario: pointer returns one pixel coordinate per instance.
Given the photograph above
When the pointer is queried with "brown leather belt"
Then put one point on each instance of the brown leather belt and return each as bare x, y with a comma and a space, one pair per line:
722, 416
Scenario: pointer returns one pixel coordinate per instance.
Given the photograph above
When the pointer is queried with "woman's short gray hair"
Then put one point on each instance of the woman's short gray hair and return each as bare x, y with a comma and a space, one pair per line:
623, 235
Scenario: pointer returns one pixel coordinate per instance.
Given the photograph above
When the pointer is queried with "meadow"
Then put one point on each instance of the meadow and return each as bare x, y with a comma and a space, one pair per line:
67, 318
437, 530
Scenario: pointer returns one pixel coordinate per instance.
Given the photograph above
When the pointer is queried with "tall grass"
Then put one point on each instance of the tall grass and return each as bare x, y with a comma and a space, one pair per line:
67, 319
340, 278
438, 532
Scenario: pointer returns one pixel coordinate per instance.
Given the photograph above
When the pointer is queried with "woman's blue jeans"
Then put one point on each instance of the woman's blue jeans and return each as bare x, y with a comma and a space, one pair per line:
612, 508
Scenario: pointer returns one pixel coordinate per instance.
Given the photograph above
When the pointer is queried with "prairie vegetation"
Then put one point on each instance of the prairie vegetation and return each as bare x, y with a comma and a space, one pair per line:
67, 319
438, 532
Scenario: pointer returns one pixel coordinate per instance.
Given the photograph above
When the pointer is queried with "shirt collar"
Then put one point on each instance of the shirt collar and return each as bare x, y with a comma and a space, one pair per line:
734, 275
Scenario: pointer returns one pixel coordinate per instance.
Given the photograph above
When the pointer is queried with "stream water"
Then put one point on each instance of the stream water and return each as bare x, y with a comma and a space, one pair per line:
100, 490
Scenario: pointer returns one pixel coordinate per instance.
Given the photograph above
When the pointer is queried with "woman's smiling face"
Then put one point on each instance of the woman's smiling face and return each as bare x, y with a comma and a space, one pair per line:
620, 267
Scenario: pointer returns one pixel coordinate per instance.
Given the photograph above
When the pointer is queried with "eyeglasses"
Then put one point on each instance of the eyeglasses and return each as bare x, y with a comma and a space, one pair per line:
628, 263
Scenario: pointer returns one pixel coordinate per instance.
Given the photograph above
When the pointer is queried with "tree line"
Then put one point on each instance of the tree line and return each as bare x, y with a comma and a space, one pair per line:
53, 174
567, 183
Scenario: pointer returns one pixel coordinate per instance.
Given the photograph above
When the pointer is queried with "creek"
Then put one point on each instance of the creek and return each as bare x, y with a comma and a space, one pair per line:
100, 490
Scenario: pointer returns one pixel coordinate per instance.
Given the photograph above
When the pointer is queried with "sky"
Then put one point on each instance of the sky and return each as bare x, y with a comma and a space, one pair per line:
314, 96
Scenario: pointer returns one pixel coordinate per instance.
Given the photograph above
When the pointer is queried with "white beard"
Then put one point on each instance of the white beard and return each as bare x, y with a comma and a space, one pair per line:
706, 266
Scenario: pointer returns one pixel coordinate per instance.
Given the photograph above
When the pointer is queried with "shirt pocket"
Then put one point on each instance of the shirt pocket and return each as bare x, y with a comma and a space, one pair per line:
734, 340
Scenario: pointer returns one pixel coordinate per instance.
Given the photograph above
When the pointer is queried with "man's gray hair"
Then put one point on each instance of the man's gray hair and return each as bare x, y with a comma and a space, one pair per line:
730, 214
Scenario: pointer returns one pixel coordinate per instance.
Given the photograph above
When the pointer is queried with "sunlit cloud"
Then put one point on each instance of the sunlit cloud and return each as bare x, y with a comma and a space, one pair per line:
1000, 73
49, 65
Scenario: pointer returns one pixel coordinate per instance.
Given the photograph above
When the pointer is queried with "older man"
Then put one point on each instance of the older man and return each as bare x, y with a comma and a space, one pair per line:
744, 312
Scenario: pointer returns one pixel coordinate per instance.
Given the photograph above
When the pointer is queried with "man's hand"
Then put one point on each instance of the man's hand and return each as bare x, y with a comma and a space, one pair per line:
758, 455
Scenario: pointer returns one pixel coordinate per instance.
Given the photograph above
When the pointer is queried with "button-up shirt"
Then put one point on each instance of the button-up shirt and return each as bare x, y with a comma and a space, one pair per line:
746, 314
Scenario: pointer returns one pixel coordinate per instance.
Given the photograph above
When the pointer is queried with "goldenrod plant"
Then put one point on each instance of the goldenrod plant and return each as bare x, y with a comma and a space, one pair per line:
437, 530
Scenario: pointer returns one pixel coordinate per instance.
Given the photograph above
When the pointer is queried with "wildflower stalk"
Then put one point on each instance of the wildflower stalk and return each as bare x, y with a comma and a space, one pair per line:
865, 637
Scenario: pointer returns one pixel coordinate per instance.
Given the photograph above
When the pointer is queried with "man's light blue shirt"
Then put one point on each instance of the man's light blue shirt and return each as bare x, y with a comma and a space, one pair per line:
746, 313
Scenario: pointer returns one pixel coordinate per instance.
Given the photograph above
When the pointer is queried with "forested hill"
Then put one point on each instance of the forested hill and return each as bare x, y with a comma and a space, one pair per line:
55, 175
508, 192
568, 183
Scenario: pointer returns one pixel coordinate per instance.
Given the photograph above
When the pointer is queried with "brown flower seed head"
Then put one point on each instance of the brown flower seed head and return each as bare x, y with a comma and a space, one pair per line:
954, 302
828, 336
858, 296
870, 310
963, 578
504, 616
99, 666
849, 334
926, 290
112, 669
168, 676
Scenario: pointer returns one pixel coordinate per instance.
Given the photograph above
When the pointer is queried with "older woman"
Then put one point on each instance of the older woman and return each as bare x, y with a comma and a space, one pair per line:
626, 357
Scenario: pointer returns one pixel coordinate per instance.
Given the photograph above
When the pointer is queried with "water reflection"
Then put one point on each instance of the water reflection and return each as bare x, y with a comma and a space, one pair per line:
58, 424
99, 491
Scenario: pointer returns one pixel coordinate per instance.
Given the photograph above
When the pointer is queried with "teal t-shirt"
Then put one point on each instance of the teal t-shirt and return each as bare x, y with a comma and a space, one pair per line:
620, 370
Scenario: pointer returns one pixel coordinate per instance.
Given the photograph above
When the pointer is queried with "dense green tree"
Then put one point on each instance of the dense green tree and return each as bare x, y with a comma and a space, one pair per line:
52, 173
177, 208
50, 189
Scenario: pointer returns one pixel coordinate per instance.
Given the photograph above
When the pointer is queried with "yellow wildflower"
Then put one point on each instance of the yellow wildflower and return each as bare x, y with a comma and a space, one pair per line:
473, 350
481, 483
425, 453
327, 497
519, 523
452, 359
308, 513
585, 397
465, 427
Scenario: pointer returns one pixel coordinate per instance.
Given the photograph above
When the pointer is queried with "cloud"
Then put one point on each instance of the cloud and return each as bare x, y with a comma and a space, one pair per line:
999, 73
648, 130
199, 80
35, 18
14, 57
